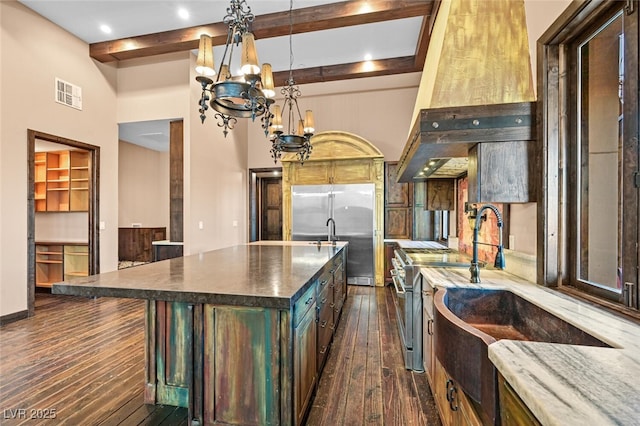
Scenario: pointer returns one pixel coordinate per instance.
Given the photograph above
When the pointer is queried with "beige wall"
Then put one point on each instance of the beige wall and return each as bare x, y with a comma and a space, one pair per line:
377, 109
539, 15
33, 52
143, 186
217, 180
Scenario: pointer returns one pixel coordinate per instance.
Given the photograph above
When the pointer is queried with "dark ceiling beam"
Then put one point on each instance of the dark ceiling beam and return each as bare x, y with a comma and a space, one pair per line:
315, 18
376, 68
425, 35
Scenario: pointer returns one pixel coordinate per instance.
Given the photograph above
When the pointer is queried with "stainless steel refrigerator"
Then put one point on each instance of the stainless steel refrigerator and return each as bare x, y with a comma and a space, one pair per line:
352, 208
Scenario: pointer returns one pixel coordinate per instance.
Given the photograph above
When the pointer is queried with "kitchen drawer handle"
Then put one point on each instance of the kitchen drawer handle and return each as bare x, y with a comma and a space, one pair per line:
332, 304
309, 300
324, 282
451, 394
323, 324
395, 284
430, 327
323, 350
332, 326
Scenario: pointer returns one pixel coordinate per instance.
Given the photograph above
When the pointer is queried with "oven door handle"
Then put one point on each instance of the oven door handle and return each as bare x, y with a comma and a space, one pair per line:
395, 284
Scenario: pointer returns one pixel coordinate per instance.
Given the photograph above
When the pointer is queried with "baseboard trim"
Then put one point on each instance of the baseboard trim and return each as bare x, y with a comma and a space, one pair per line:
9, 318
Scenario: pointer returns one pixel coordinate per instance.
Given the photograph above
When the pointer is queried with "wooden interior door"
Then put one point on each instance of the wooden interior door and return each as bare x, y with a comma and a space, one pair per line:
271, 208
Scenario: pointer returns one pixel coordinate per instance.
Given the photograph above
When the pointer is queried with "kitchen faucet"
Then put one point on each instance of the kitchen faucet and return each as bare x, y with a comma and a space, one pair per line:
499, 262
332, 231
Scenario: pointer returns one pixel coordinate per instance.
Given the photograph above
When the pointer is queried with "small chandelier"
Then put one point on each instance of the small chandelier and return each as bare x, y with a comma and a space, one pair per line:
294, 140
249, 95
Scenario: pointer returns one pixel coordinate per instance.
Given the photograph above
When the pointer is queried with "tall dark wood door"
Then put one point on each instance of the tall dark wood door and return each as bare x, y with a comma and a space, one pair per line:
271, 207
398, 202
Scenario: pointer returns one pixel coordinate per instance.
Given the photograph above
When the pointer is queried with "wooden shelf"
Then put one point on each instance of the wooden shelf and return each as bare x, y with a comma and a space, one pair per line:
57, 174
56, 262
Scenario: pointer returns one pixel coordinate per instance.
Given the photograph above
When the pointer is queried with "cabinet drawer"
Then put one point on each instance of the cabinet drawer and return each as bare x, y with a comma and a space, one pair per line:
325, 283
325, 335
303, 304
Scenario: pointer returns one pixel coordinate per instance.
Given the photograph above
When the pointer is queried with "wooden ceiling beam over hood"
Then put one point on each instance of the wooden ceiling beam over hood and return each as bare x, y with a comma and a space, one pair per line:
315, 18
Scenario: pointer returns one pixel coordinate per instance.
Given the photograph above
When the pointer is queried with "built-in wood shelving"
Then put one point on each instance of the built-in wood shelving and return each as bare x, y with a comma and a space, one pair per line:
56, 262
61, 181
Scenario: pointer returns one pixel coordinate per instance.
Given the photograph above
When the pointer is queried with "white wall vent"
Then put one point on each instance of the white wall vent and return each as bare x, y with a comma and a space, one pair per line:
68, 94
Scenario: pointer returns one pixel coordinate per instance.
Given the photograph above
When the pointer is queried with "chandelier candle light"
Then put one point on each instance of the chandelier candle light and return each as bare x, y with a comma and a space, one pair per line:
298, 141
249, 95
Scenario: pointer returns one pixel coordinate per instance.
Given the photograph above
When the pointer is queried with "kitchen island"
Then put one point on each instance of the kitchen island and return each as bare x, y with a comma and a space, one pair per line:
562, 384
236, 335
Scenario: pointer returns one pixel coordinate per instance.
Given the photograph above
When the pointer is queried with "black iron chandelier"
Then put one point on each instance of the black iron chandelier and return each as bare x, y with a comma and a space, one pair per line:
245, 96
297, 137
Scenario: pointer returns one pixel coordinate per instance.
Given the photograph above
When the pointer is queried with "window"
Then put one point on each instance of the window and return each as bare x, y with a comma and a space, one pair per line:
590, 210
597, 156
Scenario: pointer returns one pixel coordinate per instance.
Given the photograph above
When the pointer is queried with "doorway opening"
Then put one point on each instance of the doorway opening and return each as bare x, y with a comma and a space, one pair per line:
62, 197
150, 191
265, 204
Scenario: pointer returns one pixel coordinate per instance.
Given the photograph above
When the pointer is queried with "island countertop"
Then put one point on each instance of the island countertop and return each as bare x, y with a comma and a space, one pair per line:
564, 384
270, 275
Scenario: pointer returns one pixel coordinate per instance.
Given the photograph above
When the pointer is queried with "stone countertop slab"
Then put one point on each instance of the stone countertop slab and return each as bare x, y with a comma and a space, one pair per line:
416, 244
564, 384
272, 275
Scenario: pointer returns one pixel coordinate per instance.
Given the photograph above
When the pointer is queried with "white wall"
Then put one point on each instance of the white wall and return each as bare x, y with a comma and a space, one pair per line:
34, 52
143, 186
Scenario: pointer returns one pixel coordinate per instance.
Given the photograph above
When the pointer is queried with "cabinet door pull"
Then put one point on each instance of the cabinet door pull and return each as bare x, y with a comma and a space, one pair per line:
323, 324
451, 394
309, 300
430, 327
323, 350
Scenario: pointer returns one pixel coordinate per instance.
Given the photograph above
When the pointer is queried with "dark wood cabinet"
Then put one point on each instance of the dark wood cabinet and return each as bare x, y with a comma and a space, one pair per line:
134, 244
398, 198
169, 250
499, 173
304, 353
389, 249
440, 194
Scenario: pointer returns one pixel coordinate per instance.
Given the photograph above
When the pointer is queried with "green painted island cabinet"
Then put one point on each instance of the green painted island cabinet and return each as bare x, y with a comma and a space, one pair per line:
244, 365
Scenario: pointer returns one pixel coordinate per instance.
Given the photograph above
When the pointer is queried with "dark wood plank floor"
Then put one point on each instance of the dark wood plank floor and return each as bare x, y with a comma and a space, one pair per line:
82, 360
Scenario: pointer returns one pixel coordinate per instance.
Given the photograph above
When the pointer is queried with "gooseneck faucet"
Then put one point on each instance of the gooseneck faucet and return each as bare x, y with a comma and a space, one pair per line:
499, 262
332, 231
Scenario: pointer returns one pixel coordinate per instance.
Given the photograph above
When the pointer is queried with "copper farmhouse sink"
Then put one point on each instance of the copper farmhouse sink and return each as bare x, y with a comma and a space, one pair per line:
468, 320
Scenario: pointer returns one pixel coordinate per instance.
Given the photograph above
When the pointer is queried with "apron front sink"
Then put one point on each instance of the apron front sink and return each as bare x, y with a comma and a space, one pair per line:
468, 320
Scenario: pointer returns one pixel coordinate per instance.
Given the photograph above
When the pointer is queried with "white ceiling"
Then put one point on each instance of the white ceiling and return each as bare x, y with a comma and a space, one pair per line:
382, 40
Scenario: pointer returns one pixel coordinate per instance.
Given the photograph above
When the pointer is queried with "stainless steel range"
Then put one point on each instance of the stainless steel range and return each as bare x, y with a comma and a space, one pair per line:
407, 281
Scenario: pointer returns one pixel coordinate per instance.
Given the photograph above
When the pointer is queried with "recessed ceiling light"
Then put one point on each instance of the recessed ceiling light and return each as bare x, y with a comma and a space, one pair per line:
105, 29
183, 13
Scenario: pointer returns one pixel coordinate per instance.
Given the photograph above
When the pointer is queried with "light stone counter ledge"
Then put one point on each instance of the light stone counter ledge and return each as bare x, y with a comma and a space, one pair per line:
564, 384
